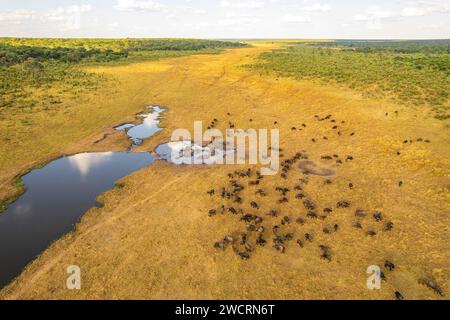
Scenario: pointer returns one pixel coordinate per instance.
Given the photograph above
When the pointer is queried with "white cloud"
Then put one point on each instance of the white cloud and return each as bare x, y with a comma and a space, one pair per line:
68, 18
200, 11
238, 21
62, 14
242, 4
229, 18
431, 6
420, 8
290, 18
382, 14
374, 16
138, 5
18, 15
113, 25
317, 8
413, 12
197, 25
313, 9
361, 17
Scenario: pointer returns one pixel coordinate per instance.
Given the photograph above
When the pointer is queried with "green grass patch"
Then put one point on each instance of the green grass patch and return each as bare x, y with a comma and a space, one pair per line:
5, 203
28, 64
416, 75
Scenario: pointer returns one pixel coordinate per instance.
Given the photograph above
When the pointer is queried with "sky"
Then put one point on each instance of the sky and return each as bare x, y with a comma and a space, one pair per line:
301, 19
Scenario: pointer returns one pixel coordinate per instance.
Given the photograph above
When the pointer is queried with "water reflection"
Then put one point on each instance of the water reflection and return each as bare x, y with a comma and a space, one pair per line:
57, 195
148, 127
86, 162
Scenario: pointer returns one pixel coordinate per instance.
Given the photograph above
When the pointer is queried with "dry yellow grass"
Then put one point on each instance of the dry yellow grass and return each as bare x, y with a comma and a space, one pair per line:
32, 137
154, 240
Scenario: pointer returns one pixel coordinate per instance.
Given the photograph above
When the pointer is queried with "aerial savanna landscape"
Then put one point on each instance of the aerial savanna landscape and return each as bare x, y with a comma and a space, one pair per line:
94, 204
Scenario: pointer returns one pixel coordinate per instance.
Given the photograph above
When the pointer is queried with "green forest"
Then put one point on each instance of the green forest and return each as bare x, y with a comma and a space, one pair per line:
27, 63
409, 72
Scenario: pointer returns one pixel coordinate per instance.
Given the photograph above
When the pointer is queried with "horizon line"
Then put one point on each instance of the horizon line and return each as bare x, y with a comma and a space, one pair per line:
231, 38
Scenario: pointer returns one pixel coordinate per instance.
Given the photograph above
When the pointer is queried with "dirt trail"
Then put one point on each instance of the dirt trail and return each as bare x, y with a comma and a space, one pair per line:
154, 239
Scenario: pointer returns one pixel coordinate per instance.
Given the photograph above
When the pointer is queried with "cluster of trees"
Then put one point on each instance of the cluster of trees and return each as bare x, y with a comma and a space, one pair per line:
18, 82
414, 78
18, 50
11, 55
438, 62
181, 44
121, 44
26, 63
394, 46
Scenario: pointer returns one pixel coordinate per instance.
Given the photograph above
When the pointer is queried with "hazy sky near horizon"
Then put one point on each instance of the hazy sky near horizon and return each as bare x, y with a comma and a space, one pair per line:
344, 19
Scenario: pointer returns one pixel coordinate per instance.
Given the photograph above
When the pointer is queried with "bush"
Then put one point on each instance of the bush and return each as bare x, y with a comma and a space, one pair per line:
36, 63
412, 78
32, 65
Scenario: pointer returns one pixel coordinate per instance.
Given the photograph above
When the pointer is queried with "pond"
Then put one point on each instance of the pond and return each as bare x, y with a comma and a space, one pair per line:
58, 194
148, 127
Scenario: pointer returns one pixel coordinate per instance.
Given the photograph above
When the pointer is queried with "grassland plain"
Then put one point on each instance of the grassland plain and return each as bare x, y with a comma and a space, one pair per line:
153, 239
410, 72
44, 93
